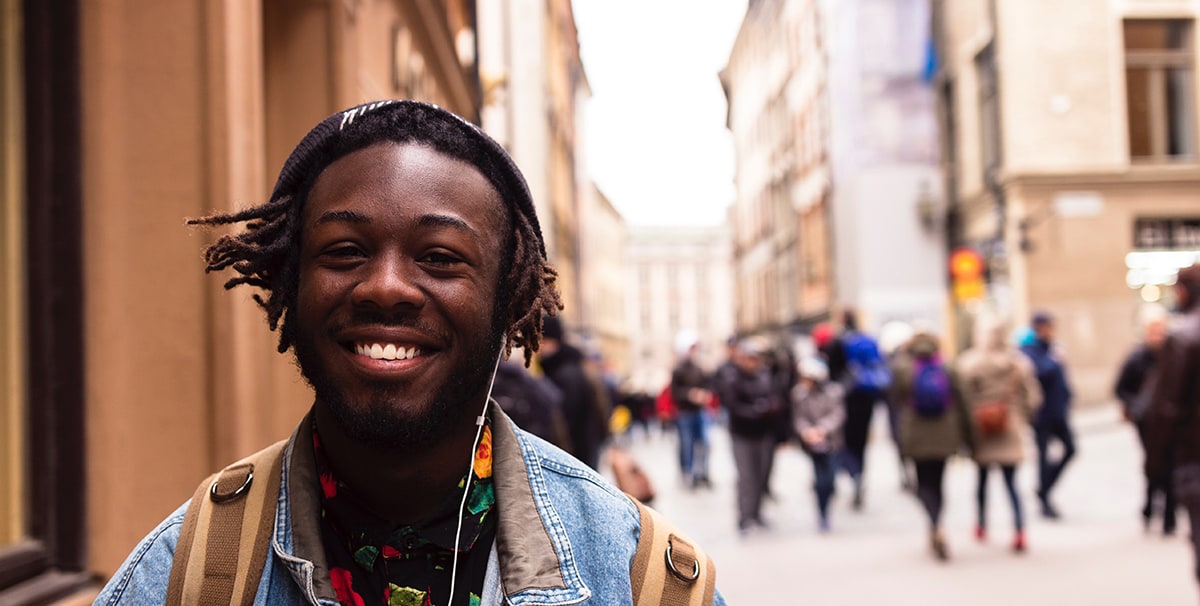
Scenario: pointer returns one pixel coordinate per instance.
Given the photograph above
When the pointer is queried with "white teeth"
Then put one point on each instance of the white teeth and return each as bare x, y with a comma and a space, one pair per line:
390, 351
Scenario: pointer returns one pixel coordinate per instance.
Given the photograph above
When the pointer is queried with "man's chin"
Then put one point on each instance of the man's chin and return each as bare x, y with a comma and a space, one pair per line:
379, 426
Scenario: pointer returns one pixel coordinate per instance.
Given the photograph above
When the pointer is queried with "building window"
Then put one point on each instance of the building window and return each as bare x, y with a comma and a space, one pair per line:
989, 113
1160, 89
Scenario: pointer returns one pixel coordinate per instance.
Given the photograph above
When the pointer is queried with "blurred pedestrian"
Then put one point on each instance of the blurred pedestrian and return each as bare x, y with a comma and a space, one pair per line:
865, 376
1052, 422
641, 409
533, 403
934, 424
1001, 394
1134, 388
748, 395
691, 392
894, 336
784, 376
818, 414
584, 399
725, 372
1174, 416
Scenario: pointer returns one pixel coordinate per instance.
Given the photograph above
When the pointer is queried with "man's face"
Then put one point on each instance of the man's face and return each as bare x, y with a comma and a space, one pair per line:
749, 361
1156, 333
1044, 331
399, 266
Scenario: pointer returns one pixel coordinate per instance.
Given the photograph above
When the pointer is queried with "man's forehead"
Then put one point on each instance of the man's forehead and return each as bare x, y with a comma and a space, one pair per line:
413, 165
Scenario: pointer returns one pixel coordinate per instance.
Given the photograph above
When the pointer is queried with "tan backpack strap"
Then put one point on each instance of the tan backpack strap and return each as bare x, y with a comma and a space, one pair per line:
226, 532
669, 568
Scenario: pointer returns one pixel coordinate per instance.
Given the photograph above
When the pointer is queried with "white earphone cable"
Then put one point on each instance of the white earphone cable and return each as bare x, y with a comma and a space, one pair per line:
480, 421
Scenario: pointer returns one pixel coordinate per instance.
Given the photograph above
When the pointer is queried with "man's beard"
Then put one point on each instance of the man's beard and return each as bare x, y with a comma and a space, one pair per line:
383, 421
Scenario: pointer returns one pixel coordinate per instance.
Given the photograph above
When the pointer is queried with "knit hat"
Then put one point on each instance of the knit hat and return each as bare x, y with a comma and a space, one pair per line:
405, 121
812, 367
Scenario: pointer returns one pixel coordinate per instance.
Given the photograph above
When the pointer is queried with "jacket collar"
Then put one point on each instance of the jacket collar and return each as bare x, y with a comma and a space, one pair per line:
536, 561
534, 554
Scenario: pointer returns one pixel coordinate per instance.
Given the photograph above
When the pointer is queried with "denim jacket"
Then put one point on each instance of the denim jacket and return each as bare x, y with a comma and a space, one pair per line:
564, 535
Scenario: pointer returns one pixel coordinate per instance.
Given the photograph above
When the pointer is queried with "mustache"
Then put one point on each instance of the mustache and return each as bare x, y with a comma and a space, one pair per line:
367, 318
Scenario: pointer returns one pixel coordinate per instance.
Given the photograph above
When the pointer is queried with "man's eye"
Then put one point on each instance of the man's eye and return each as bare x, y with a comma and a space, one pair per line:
342, 252
441, 258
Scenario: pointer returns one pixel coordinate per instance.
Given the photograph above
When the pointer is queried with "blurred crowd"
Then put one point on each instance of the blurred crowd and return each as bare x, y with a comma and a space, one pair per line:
1009, 388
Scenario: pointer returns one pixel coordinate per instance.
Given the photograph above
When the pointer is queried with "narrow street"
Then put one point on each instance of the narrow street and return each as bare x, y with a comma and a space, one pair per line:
1097, 554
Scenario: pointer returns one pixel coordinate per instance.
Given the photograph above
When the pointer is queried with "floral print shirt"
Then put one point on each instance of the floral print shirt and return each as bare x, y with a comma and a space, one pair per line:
373, 561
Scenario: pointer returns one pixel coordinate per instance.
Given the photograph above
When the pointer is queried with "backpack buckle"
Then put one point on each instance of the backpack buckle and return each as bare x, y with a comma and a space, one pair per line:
675, 571
219, 494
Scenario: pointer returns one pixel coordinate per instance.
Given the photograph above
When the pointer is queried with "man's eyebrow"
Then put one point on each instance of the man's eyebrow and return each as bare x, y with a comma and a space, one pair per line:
445, 221
347, 216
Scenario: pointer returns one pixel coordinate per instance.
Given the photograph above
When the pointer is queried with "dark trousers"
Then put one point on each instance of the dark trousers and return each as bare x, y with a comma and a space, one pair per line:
859, 407
929, 488
1050, 471
692, 427
824, 474
1187, 488
1156, 485
752, 459
1010, 483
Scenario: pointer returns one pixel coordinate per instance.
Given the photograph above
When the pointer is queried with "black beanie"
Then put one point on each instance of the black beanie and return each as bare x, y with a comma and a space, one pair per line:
404, 121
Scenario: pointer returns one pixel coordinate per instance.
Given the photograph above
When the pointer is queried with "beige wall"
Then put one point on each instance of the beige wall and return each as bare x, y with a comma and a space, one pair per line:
1062, 87
172, 129
12, 283
1076, 270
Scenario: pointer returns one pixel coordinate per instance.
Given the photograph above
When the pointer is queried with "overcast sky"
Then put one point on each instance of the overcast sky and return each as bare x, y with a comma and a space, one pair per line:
656, 139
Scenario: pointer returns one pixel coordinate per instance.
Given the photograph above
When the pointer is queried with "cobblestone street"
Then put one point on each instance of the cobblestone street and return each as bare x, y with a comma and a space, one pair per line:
1097, 554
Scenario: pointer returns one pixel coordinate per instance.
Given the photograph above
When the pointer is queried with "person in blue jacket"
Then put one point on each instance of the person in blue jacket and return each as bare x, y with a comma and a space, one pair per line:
1052, 422
401, 259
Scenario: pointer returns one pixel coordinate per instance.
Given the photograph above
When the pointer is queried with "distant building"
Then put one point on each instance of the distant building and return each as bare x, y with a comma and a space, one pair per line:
604, 280
679, 280
775, 83
889, 240
535, 90
1071, 141
835, 136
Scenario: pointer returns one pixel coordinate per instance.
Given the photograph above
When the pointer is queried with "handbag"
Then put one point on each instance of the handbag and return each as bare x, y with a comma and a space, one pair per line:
630, 477
991, 417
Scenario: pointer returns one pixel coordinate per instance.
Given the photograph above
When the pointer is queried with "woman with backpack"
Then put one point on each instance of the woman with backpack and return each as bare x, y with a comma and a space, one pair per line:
1001, 393
818, 414
933, 423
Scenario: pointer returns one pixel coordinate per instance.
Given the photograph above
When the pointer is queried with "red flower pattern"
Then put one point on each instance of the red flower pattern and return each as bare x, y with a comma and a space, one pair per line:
329, 485
341, 585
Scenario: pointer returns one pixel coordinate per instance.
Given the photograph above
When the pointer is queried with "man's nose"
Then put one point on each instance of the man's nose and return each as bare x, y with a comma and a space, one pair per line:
390, 282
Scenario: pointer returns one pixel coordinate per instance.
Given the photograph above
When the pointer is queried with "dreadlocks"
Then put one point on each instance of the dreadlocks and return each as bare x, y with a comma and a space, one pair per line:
266, 255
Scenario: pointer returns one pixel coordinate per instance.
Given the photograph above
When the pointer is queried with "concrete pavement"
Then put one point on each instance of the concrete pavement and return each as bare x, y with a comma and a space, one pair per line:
1097, 554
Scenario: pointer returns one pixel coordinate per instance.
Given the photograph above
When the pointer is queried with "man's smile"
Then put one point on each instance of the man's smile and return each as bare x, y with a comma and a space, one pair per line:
387, 351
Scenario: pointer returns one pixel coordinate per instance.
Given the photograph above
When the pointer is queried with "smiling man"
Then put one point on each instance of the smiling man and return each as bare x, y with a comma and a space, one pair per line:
401, 260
